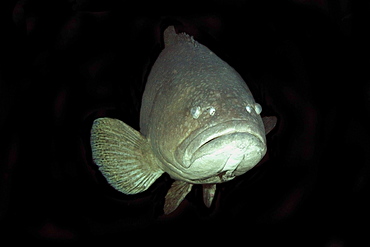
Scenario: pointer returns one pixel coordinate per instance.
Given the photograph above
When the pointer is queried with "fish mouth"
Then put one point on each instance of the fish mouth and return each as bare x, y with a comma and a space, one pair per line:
230, 155
228, 143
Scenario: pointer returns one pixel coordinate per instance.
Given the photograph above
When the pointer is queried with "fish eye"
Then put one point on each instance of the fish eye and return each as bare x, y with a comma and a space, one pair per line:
248, 108
195, 112
257, 108
211, 111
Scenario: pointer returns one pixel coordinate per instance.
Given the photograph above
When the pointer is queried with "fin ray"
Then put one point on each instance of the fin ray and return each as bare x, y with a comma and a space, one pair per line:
269, 123
123, 155
209, 191
175, 195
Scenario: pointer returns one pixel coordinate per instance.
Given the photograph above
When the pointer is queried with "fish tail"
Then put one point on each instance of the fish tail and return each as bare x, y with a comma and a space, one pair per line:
123, 155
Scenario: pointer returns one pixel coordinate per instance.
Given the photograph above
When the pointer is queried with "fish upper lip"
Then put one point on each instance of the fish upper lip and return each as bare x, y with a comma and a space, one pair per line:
199, 138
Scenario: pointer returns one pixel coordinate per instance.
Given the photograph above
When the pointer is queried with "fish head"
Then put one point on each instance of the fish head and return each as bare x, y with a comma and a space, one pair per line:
199, 114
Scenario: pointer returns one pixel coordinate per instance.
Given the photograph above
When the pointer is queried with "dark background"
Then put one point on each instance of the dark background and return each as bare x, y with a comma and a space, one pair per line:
65, 63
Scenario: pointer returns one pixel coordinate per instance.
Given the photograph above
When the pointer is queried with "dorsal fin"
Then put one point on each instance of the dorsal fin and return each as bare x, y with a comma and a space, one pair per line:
171, 37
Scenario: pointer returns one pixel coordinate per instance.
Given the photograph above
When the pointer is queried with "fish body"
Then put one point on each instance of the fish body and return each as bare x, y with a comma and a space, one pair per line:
198, 122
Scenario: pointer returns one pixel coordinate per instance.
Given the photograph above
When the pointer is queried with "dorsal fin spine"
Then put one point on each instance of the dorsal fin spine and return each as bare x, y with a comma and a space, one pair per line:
171, 37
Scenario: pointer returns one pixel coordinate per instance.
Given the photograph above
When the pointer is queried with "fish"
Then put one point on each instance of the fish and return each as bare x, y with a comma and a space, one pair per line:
199, 123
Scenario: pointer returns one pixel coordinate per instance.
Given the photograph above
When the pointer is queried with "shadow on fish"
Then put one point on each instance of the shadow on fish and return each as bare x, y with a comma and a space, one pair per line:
198, 122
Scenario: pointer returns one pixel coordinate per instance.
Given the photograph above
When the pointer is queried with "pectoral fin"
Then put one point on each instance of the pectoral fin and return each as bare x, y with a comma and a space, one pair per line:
269, 123
175, 195
123, 155
209, 191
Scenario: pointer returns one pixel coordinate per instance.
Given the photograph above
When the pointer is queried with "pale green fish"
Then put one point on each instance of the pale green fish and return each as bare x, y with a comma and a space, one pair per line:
198, 122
